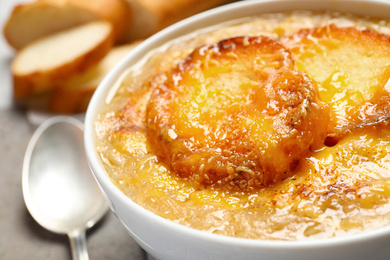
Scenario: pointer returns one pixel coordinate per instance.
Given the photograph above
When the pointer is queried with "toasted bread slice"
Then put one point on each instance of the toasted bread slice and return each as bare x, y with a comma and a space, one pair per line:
47, 62
117, 12
32, 21
240, 102
351, 68
74, 95
150, 16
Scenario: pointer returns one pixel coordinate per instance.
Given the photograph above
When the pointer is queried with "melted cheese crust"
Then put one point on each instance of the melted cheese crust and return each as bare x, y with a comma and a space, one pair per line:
358, 92
235, 114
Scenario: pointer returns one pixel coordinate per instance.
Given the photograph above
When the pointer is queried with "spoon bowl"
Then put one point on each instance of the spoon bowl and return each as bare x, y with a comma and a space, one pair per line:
59, 189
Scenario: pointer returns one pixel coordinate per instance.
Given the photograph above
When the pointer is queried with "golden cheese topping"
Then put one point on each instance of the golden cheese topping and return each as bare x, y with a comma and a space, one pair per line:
280, 134
352, 69
235, 114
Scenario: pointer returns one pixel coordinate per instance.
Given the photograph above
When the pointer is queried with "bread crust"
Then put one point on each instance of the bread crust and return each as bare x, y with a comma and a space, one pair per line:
73, 95
38, 81
150, 16
31, 21
117, 12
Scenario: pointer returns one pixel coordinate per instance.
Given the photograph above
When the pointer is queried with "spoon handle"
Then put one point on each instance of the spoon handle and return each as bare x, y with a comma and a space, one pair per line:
78, 245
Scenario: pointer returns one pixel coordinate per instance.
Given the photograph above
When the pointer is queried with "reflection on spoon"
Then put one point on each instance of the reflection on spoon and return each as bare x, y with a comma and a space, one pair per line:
58, 187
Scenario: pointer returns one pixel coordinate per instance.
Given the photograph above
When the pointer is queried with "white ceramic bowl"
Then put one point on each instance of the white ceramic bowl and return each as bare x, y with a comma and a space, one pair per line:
164, 239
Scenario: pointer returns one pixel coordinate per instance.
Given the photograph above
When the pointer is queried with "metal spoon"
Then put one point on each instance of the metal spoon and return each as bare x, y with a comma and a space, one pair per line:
58, 187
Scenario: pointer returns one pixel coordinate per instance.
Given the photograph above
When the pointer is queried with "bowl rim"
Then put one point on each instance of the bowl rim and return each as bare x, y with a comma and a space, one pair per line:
181, 28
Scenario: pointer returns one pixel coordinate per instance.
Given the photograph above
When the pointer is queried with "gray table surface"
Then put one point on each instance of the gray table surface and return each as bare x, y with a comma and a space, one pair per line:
20, 236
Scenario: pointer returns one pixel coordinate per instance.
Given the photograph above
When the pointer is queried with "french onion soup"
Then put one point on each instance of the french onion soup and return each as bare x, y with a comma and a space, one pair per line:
271, 127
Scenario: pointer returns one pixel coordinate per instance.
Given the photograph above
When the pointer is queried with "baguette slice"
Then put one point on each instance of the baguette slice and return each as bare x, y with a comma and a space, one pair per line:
117, 12
150, 16
32, 21
75, 94
45, 63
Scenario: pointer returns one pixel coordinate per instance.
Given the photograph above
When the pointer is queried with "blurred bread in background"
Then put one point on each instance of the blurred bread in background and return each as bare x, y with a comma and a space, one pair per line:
47, 62
73, 95
64, 48
150, 16
32, 21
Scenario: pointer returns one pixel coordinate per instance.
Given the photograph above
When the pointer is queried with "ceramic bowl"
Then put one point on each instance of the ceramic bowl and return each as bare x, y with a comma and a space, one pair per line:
164, 239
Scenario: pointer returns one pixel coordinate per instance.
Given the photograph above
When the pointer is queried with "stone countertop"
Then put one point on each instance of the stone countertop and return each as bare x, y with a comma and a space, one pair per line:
20, 236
